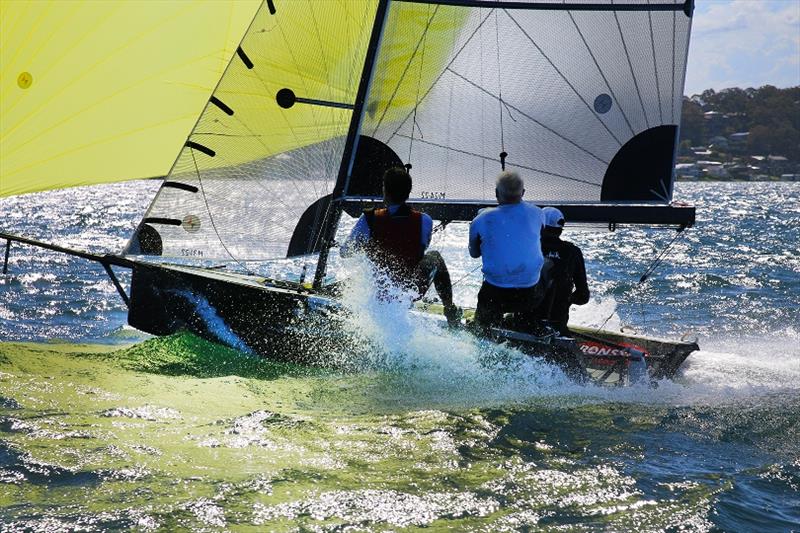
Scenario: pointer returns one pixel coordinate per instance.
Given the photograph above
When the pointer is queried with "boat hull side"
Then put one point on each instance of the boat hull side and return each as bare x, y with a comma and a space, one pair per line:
165, 301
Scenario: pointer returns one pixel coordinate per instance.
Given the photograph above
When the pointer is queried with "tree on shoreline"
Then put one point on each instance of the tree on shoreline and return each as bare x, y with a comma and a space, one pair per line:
770, 115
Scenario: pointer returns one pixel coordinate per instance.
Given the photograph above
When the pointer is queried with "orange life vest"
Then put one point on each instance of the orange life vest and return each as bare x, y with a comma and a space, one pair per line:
395, 240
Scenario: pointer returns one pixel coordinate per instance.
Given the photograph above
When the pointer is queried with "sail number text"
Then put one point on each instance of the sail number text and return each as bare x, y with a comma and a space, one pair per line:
433, 195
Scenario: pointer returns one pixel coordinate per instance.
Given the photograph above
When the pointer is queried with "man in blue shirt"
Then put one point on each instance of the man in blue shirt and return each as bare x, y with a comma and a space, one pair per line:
395, 239
508, 238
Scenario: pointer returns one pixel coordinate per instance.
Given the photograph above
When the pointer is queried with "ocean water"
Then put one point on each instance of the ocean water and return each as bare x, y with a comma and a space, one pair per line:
103, 427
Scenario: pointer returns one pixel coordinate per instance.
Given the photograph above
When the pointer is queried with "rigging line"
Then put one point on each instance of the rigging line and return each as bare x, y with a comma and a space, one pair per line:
499, 88
258, 136
441, 74
405, 70
465, 276
655, 65
419, 82
591, 111
657, 261
211, 217
554, 132
487, 158
328, 212
603, 75
483, 119
303, 159
332, 111
313, 109
448, 129
630, 66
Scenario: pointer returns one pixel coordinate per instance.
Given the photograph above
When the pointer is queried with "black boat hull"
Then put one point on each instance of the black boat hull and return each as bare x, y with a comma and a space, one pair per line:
288, 322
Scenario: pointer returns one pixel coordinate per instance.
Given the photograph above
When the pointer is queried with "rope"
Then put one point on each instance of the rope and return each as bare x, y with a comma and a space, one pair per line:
465, 276
211, 217
650, 269
414, 124
503, 153
657, 261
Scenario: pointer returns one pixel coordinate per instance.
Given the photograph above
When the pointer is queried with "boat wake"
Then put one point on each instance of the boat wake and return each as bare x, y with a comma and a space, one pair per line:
429, 363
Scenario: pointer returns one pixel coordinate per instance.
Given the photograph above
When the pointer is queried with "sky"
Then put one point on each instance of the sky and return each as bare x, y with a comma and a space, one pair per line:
744, 43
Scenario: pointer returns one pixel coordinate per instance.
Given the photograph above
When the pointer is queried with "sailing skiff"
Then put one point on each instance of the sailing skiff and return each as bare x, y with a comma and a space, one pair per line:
582, 98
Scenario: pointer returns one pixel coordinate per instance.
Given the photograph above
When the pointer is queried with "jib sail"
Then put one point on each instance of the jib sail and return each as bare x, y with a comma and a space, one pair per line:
269, 142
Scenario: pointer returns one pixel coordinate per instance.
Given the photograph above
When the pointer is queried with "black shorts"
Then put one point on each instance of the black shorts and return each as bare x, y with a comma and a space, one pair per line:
494, 302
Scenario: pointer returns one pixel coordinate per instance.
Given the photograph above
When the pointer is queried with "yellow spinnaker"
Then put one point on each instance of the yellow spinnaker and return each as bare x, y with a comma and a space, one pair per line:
99, 92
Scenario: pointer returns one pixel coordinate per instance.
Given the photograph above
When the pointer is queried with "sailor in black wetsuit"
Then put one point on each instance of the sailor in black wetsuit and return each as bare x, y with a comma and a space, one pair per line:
568, 273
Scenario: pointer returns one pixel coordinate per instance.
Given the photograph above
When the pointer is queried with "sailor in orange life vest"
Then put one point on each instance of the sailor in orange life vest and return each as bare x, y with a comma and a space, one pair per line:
395, 239
568, 272
508, 239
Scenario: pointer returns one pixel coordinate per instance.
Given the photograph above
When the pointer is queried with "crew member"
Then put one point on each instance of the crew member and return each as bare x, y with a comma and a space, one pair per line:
568, 274
395, 239
507, 237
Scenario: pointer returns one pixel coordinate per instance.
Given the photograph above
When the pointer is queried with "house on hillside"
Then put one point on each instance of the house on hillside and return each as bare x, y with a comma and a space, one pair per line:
719, 143
777, 165
715, 169
715, 122
738, 141
687, 170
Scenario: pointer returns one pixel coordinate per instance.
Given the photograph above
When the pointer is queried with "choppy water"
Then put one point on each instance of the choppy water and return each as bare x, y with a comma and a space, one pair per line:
179, 433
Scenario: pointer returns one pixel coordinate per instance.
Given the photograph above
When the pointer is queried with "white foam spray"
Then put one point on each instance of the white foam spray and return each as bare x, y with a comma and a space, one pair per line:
433, 364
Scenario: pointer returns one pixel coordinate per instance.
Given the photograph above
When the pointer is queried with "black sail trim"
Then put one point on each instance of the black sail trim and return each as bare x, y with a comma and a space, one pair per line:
200, 148
165, 221
179, 185
642, 170
244, 58
220, 104
271, 7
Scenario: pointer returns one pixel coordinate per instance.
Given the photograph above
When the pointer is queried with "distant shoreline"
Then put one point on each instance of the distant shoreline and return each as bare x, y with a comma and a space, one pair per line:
770, 179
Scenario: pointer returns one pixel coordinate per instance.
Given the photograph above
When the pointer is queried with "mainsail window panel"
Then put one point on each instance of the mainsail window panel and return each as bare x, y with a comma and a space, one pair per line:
455, 86
269, 163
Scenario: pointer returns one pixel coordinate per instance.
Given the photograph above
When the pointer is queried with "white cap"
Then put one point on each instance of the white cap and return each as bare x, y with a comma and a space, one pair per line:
553, 217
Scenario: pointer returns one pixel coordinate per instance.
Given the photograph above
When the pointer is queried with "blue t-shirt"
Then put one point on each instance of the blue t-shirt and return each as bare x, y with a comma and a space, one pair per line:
508, 237
360, 233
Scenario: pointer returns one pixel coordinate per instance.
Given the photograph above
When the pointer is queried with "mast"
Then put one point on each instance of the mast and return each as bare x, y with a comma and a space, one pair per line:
331, 221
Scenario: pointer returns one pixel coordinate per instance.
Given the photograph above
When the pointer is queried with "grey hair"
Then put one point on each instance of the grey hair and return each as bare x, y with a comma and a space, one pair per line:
509, 186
